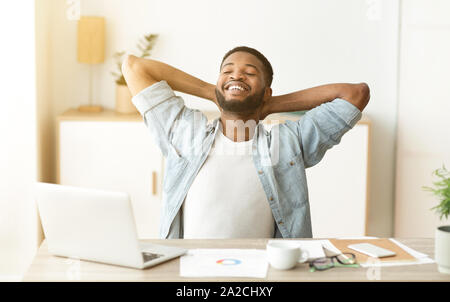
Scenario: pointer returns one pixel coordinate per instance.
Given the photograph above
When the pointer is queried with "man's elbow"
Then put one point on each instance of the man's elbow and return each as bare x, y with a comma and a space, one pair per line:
362, 96
128, 65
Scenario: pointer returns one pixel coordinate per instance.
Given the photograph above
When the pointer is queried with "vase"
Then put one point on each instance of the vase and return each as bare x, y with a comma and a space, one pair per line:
123, 100
442, 249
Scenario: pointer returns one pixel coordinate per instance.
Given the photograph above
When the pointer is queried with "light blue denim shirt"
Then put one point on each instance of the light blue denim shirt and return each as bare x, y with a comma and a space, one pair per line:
280, 155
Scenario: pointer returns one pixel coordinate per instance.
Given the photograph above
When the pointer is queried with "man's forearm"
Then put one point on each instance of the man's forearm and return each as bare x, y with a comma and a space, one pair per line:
357, 94
177, 79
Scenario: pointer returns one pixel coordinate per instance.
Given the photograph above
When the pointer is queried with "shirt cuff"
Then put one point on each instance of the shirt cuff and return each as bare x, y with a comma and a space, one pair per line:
152, 96
347, 111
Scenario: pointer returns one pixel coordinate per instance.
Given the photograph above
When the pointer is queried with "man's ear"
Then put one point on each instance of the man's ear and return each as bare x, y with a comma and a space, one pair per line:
266, 102
267, 94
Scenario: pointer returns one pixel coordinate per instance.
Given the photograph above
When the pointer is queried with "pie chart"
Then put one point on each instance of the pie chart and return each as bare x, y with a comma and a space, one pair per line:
229, 261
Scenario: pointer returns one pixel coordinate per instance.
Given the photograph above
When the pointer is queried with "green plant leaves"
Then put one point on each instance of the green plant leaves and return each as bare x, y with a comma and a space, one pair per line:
441, 190
145, 45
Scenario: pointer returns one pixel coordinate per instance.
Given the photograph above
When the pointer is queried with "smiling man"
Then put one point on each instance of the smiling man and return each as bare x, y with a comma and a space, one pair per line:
233, 178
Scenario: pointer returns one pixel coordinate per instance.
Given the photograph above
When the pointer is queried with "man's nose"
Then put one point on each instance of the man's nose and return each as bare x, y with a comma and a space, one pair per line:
237, 75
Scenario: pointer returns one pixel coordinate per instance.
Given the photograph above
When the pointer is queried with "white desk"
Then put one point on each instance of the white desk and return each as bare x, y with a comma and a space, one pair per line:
46, 267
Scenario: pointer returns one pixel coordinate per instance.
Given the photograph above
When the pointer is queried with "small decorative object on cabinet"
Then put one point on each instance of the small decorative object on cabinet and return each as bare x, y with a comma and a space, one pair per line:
442, 238
123, 100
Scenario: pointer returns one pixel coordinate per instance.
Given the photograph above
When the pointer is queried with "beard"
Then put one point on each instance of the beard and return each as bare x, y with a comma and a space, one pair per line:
249, 104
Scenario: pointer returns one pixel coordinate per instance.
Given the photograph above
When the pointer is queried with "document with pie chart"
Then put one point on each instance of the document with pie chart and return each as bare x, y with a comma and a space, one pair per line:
250, 263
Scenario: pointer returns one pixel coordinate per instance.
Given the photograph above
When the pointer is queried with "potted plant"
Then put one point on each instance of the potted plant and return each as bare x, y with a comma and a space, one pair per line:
123, 95
441, 190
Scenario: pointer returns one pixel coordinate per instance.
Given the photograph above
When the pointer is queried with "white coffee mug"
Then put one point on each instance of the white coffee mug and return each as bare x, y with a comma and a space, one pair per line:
284, 254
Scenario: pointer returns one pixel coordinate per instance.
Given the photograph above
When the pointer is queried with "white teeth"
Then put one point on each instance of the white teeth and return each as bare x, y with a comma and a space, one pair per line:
235, 87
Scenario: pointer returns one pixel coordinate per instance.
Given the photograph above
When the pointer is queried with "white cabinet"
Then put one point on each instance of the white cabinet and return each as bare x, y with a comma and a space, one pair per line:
113, 152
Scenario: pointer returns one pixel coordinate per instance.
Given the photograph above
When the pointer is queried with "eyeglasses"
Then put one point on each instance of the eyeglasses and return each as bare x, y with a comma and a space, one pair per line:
344, 260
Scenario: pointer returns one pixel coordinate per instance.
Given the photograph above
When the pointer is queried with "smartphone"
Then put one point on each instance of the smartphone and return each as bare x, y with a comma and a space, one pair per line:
371, 250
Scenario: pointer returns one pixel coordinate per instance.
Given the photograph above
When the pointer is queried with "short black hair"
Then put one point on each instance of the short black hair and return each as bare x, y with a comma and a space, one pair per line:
268, 72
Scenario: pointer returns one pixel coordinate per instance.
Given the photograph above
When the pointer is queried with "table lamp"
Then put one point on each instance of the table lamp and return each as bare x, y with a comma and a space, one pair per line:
91, 50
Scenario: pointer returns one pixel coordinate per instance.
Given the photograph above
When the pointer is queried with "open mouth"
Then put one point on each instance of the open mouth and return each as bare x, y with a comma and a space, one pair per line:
236, 88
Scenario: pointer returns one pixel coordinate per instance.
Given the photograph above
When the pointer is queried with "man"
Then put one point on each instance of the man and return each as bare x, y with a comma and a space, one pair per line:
256, 187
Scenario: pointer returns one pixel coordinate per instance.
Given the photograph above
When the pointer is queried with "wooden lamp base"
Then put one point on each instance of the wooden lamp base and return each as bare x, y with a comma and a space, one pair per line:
87, 108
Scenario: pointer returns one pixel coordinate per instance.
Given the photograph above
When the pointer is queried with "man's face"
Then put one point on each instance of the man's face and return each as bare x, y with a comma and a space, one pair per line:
241, 84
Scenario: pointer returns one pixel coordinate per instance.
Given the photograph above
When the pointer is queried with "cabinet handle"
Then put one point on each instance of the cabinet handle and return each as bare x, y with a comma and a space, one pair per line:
154, 183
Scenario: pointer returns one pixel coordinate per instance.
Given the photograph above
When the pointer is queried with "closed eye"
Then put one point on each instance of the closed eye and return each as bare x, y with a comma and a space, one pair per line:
227, 72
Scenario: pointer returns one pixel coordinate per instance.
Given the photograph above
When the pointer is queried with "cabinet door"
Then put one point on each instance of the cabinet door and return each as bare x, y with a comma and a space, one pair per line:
118, 156
338, 187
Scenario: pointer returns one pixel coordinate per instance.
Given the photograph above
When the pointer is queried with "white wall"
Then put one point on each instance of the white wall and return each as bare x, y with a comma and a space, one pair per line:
424, 114
308, 43
18, 169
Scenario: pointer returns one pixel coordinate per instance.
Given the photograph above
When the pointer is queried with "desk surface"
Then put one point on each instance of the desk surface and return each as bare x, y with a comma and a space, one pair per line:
46, 267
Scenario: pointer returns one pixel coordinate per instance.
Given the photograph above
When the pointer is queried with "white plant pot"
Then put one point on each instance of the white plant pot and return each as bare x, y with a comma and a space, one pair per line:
442, 249
123, 100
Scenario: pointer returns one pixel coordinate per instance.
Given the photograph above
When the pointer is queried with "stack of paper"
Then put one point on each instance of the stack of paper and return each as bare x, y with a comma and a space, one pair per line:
224, 263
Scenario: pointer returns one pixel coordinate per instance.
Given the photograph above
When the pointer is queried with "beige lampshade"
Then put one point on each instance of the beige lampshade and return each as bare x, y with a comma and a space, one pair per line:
91, 40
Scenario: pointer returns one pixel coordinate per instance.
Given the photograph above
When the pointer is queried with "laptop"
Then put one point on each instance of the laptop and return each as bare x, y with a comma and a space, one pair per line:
95, 225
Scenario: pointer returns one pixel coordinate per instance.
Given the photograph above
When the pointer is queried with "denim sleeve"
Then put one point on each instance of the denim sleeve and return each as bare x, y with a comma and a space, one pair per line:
168, 119
323, 127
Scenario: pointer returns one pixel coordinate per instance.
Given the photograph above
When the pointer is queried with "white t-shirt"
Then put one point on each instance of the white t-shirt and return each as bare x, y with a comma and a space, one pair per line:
226, 199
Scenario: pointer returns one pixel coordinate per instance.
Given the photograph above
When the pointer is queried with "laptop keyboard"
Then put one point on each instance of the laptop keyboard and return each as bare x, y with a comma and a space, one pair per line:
150, 256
